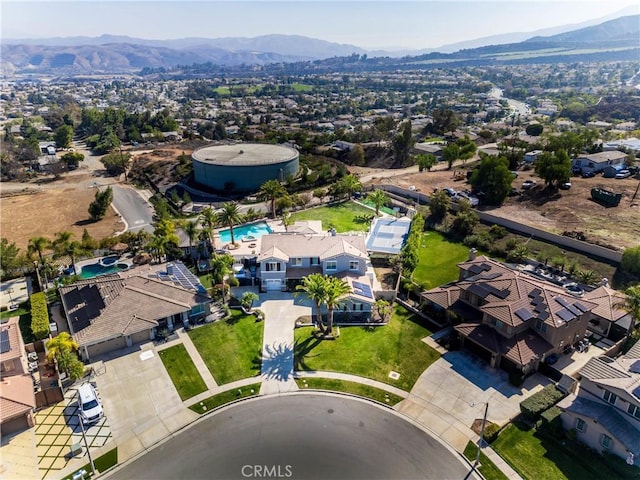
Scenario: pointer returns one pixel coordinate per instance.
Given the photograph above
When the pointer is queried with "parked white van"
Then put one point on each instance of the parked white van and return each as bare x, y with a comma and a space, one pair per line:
89, 406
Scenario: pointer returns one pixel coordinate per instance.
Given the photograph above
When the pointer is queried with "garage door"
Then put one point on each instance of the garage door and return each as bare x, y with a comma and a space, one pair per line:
274, 284
106, 347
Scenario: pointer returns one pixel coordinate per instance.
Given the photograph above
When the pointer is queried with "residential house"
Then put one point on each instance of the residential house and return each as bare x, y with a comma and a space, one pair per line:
110, 312
17, 398
511, 319
286, 258
532, 156
605, 413
434, 149
596, 162
608, 319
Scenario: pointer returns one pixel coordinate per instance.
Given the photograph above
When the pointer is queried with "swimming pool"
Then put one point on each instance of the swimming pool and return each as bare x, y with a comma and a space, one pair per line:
254, 229
95, 269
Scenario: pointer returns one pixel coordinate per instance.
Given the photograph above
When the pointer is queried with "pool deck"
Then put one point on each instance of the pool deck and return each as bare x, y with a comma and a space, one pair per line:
246, 249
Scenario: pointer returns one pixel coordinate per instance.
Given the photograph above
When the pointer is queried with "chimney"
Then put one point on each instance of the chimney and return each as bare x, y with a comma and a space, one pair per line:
472, 254
333, 232
604, 282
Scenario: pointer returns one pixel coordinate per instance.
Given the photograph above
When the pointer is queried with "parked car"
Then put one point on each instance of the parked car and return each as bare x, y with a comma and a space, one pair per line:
469, 198
588, 174
551, 359
528, 184
623, 174
450, 191
89, 407
565, 185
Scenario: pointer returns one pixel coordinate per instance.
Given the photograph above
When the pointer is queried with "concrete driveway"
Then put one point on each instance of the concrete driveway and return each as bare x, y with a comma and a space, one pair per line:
450, 395
139, 399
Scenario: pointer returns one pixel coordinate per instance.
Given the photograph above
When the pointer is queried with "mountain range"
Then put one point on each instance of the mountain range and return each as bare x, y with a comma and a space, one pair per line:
121, 54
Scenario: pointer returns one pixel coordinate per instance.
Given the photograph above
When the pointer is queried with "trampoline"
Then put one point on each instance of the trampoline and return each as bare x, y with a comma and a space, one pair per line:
388, 235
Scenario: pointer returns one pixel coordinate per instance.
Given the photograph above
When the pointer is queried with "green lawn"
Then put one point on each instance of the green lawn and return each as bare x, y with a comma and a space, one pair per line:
370, 352
438, 259
102, 463
183, 372
226, 397
335, 385
487, 468
344, 217
537, 456
230, 348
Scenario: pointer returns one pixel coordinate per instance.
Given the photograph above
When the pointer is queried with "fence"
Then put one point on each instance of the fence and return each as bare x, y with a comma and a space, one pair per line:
571, 243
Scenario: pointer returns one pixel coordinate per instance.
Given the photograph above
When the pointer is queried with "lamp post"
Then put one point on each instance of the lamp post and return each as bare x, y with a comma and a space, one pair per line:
484, 422
86, 445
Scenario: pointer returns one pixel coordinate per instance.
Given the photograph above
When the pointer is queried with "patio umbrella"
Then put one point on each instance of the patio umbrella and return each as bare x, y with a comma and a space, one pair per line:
120, 247
142, 258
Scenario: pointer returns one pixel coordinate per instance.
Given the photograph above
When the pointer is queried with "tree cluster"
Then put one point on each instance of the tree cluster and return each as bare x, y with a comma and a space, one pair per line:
98, 208
493, 178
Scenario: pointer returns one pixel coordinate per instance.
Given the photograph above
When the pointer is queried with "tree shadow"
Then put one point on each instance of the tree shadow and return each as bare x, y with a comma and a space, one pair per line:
277, 362
302, 350
85, 222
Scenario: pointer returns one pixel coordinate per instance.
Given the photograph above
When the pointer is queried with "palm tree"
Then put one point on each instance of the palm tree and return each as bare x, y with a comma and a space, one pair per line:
64, 246
247, 300
379, 199
314, 287
631, 304
190, 229
587, 276
158, 246
230, 216
286, 219
350, 184
38, 245
336, 290
209, 219
271, 190
63, 342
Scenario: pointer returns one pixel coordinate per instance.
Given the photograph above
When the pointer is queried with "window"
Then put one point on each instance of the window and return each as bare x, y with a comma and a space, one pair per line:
499, 325
607, 442
353, 265
315, 261
296, 262
358, 307
634, 410
581, 425
541, 326
331, 265
273, 266
610, 397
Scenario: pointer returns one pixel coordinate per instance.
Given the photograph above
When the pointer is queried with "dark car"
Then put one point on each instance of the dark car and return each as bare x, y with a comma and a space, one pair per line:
551, 359
588, 174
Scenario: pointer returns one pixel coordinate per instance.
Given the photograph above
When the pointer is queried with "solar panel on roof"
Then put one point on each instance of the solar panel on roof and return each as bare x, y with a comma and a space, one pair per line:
539, 308
561, 301
485, 266
573, 310
635, 367
636, 392
535, 292
565, 315
362, 289
581, 307
543, 315
524, 314
5, 346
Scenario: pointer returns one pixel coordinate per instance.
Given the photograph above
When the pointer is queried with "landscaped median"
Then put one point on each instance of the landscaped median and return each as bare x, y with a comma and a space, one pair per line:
371, 352
231, 347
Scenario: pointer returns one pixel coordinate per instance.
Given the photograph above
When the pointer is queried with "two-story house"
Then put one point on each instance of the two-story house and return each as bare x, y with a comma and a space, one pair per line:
509, 318
286, 258
605, 413
17, 399
608, 318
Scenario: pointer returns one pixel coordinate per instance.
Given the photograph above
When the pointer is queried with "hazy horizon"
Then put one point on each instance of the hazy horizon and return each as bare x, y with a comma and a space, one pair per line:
367, 24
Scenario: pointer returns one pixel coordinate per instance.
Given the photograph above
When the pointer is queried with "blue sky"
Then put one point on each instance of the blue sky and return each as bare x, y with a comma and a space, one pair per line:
368, 24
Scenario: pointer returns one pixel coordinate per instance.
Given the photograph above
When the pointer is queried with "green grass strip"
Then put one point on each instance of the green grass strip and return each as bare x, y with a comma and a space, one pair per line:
346, 386
226, 397
183, 372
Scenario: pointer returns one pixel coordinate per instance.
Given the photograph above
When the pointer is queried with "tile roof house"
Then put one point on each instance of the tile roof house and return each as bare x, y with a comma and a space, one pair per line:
286, 258
17, 398
608, 319
508, 317
605, 413
115, 311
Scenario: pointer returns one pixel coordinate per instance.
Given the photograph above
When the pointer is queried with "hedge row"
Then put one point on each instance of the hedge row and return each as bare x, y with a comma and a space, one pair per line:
409, 254
537, 403
39, 316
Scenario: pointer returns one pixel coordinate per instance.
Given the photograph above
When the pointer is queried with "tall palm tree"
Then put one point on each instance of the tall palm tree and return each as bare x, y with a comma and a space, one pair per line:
158, 246
38, 245
336, 290
190, 229
379, 199
314, 287
64, 246
271, 190
63, 342
350, 184
230, 216
209, 219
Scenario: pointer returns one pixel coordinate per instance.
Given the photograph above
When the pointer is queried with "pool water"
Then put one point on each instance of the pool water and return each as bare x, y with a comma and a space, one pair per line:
94, 270
255, 230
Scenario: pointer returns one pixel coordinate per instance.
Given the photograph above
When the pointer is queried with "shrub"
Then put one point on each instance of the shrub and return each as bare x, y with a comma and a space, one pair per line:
631, 260
551, 422
491, 432
537, 403
498, 231
39, 316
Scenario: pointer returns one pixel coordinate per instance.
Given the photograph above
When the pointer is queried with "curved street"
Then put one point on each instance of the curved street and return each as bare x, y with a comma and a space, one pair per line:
302, 435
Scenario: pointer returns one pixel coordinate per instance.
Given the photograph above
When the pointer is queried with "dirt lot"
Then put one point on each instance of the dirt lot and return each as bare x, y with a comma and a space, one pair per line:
573, 210
50, 211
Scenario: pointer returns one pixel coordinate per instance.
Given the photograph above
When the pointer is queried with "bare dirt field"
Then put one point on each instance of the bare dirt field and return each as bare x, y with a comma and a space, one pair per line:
50, 211
564, 210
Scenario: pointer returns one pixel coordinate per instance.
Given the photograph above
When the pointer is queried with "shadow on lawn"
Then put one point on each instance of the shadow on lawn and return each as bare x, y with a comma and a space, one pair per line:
302, 350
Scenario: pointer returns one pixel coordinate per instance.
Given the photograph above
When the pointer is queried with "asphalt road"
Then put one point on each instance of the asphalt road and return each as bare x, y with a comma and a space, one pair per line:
300, 436
134, 209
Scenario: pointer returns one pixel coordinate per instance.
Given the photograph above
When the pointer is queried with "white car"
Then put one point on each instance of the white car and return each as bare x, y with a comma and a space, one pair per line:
528, 184
89, 407
469, 198
623, 174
